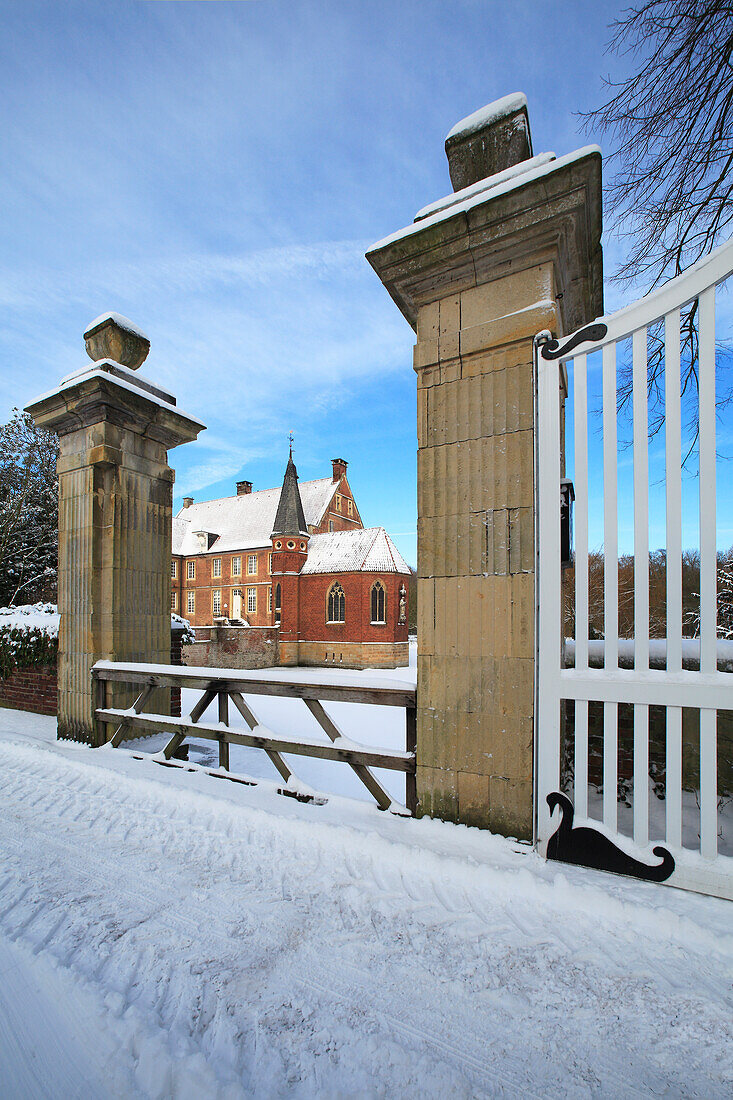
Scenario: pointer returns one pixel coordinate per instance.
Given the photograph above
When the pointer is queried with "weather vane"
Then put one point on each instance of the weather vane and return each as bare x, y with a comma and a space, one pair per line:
291, 437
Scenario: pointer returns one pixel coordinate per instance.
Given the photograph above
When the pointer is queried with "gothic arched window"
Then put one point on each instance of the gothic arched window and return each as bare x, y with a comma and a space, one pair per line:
278, 608
378, 603
336, 604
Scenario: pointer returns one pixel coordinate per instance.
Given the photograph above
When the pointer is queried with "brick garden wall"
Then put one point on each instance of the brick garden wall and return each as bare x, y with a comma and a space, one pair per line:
31, 689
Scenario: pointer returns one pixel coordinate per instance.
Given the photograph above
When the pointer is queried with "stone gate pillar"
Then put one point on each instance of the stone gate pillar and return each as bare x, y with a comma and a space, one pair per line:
479, 273
115, 510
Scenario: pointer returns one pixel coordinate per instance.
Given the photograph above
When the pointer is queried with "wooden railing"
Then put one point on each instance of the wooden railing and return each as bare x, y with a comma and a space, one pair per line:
227, 685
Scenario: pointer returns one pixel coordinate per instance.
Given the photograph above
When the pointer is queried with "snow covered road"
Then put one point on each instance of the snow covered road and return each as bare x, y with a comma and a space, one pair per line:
164, 933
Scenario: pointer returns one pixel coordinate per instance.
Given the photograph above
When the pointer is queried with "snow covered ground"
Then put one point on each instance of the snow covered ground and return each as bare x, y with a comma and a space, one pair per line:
166, 933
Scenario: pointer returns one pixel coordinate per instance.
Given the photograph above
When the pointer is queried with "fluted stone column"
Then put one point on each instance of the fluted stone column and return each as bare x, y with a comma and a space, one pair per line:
115, 510
517, 250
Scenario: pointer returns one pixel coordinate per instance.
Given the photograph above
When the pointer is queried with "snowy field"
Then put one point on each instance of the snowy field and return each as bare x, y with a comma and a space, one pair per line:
165, 933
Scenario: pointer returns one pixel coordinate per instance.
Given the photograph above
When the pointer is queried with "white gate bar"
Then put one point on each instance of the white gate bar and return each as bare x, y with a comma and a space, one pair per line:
581, 758
549, 633
673, 777
580, 518
610, 765
673, 488
655, 688
641, 502
708, 572
610, 582
641, 774
708, 525
610, 510
673, 477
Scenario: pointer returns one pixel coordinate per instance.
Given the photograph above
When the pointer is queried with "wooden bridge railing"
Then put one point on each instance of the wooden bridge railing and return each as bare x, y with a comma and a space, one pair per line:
232, 684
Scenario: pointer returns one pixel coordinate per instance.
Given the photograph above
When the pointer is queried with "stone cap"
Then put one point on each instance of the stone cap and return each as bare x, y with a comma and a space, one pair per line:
491, 139
112, 336
550, 213
97, 396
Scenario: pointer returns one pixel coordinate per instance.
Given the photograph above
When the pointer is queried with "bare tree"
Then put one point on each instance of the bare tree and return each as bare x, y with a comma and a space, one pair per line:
671, 128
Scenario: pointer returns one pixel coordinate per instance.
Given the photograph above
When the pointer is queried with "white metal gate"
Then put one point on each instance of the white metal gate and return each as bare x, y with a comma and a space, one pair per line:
560, 690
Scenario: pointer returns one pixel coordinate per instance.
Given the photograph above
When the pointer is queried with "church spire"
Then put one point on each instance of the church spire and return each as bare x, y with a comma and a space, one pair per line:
290, 519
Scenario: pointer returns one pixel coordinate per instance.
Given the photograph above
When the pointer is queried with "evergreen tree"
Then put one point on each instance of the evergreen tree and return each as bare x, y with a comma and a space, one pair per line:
28, 512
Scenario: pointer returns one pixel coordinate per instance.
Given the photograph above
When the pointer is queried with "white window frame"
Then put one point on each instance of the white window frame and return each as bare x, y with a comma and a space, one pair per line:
191, 602
216, 600
251, 601
174, 601
269, 600
237, 566
216, 567
191, 570
269, 563
174, 570
251, 565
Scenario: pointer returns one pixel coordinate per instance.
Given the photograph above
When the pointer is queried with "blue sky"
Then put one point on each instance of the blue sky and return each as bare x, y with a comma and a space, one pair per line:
216, 171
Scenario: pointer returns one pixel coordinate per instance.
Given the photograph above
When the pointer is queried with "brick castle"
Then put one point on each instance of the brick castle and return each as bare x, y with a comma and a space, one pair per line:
299, 558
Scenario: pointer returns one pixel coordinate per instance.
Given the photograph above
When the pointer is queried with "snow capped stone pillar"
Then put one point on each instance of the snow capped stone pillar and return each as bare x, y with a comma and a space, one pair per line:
515, 250
115, 509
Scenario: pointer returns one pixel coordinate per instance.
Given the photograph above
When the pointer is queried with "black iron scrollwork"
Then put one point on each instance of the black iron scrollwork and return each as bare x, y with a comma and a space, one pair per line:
589, 848
552, 349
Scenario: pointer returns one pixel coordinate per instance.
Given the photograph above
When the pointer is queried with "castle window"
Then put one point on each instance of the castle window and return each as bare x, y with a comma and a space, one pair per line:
252, 564
251, 600
378, 603
173, 569
216, 567
338, 503
277, 605
191, 603
174, 601
349, 507
236, 567
216, 601
191, 570
330, 525
336, 604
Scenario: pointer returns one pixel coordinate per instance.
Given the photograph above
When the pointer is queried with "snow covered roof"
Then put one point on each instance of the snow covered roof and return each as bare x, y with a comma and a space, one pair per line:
368, 550
245, 522
492, 112
520, 175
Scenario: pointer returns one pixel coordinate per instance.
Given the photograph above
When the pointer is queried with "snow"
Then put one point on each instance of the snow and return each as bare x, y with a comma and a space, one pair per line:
123, 322
112, 366
246, 522
485, 116
657, 652
368, 550
95, 372
521, 180
218, 940
485, 184
31, 616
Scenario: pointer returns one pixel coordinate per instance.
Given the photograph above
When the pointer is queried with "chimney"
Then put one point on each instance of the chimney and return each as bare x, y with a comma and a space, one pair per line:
187, 502
339, 468
244, 488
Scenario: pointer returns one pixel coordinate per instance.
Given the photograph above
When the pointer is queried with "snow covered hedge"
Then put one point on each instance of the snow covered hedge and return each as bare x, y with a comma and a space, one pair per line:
29, 635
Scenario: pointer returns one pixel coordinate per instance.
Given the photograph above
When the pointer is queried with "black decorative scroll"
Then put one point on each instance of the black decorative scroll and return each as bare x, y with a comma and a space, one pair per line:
588, 848
592, 333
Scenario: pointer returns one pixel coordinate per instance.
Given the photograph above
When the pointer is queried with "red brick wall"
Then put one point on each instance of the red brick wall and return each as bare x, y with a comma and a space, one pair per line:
357, 626
31, 689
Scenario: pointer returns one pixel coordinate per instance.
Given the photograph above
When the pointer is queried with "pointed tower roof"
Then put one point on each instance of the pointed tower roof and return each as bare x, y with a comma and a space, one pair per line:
289, 519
